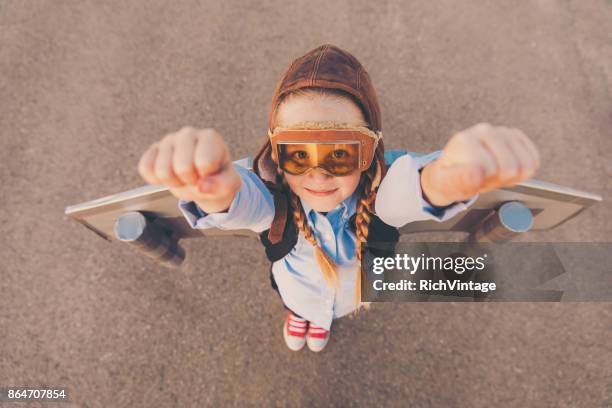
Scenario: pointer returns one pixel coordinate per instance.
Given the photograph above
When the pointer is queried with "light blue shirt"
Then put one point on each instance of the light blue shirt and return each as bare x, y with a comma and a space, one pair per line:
298, 276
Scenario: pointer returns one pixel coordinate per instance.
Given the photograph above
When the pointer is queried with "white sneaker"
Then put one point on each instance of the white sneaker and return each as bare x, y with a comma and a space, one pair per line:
294, 332
317, 338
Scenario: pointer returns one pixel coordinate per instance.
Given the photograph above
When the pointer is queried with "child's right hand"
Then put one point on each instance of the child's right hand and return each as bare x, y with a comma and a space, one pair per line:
196, 165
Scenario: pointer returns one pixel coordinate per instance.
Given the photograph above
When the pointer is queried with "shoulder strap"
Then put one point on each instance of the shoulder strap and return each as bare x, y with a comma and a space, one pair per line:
282, 236
281, 207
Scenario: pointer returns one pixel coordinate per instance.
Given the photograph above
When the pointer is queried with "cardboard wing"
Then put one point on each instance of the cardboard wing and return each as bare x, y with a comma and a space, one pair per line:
549, 203
529, 205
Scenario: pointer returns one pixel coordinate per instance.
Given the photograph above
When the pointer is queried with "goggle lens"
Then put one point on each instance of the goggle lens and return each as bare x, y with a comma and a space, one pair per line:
338, 159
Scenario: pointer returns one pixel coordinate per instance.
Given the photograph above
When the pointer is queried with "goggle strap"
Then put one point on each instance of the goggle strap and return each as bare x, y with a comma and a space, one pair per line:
378, 133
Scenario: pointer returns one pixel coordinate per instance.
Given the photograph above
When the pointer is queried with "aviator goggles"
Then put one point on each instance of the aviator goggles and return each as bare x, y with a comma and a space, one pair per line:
337, 150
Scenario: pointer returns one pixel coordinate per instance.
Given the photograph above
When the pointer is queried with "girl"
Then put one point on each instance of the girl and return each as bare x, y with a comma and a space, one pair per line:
320, 190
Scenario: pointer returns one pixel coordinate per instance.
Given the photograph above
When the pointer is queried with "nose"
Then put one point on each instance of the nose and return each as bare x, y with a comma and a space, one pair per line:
319, 175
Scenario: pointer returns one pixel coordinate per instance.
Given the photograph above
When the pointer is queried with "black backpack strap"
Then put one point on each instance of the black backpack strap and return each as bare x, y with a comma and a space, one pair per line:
281, 209
282, 236
278, 250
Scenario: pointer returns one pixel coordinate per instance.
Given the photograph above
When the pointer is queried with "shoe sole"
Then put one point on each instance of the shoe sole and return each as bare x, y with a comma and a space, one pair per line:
285, 334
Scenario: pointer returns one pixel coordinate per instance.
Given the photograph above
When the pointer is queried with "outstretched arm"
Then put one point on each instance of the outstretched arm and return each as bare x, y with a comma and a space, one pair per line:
212, 191
252, 207
439, 185
400, 198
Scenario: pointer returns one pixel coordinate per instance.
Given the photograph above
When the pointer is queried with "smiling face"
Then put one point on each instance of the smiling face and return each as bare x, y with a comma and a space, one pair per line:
319, 190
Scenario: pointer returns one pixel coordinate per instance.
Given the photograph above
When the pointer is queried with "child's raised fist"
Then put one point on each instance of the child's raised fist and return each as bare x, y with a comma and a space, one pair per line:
477, 160
196, 165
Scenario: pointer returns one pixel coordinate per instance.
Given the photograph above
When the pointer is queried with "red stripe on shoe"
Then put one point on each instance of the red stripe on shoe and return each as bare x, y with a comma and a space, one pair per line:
295, 327
317, 332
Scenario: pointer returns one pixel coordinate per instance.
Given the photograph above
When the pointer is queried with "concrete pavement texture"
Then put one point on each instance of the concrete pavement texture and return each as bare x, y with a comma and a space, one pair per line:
85, 87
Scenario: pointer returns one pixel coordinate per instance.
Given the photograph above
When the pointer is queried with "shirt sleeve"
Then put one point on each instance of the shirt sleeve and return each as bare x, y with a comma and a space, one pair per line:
252, 207
399, 199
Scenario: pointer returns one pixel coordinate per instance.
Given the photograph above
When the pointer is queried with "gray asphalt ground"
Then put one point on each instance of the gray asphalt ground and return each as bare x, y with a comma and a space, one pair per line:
85, 87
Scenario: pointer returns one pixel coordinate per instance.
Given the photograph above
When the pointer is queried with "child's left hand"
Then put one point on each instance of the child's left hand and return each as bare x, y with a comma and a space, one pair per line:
476, 160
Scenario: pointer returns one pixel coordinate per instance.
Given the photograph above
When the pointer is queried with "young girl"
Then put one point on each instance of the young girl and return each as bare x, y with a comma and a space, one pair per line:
320, 190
